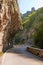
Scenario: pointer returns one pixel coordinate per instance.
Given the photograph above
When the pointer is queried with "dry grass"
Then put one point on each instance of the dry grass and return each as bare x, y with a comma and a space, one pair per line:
1, 53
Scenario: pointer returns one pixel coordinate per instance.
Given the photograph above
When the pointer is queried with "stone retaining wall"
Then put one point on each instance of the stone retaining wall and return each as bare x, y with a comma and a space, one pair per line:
36, 51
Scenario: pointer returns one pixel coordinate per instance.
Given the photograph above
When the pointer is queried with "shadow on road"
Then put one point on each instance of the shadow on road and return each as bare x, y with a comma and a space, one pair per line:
21, 51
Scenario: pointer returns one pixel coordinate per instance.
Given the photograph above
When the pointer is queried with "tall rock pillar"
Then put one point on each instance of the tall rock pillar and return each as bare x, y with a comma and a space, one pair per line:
11, 20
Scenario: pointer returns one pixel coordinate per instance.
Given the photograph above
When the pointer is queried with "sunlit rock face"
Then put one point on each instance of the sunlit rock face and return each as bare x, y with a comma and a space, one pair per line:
10, 21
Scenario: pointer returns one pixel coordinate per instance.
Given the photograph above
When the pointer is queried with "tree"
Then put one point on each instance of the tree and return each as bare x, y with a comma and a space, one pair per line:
38, 36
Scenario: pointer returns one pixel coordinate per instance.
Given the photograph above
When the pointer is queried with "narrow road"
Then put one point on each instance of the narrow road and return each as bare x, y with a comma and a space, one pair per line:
19, 56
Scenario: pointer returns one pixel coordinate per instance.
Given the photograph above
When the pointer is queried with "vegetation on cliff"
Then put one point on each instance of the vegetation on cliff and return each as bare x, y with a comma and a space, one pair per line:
34, 24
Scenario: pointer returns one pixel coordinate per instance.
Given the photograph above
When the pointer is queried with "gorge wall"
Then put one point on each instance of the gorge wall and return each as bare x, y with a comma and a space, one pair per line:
10, 21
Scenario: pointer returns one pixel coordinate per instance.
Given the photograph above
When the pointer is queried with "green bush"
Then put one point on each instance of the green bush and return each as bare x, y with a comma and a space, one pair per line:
38, 36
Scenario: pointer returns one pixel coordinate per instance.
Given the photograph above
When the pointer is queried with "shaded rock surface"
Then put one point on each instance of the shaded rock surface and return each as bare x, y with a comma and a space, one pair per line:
10, 21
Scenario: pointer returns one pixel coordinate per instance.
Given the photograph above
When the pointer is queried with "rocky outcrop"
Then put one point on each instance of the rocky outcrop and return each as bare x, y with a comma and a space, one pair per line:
10, 21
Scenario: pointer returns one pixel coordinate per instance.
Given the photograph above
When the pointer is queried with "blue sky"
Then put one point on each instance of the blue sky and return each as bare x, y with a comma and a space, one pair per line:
26, 5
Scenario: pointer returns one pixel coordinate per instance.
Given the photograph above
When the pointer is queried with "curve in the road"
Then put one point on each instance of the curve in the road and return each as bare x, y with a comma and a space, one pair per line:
19, 56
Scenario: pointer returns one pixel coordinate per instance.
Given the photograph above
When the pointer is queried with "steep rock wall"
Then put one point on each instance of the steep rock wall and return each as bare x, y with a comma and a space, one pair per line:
10, 21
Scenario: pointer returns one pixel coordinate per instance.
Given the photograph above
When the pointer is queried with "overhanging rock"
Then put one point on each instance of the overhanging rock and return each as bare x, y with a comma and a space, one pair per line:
10, 21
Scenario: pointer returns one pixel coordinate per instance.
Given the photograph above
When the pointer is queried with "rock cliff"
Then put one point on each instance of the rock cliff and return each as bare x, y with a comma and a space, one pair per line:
10, 21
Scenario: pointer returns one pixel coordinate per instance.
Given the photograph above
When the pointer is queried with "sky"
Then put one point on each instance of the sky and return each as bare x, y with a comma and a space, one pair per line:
26, 5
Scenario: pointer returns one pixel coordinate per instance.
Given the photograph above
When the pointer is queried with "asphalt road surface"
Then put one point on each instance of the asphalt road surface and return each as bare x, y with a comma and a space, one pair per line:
19, 56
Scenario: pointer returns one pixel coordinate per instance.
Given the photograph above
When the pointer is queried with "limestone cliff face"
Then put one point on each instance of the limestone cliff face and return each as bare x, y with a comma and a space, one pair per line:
10, 14
10, 21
